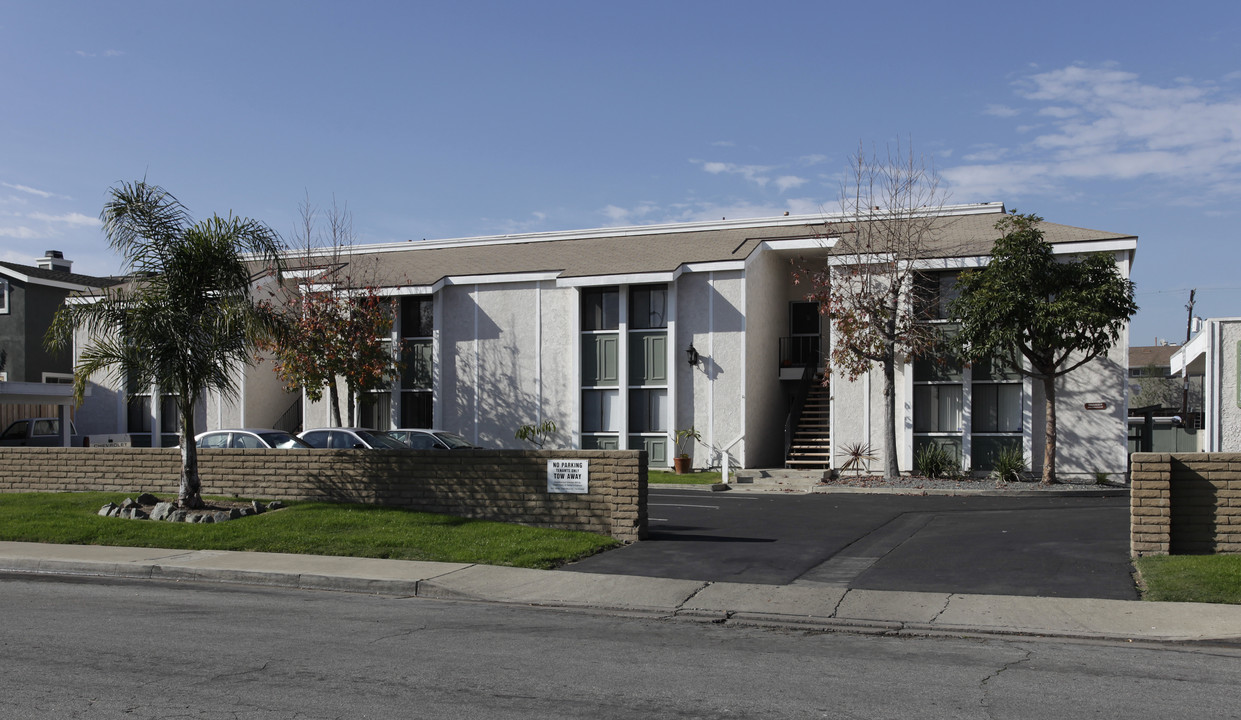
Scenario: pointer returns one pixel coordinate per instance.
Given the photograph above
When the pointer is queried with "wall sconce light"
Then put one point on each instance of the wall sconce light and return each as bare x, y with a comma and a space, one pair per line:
693, 355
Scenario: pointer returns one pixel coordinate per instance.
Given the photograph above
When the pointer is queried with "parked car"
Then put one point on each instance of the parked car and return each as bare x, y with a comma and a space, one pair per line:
249, 439
37, 432
421, 439
351, 439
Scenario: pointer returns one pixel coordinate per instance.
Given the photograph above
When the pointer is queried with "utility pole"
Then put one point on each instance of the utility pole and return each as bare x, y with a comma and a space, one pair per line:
1189, 327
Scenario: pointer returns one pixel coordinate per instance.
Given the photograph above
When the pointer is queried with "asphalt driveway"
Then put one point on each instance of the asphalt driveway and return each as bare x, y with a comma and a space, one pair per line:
1045, 546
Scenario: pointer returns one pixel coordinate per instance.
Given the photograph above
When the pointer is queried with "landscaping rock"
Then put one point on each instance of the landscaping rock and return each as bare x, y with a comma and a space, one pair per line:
275, 505
109, 509
257, 507
147, 499
162, 510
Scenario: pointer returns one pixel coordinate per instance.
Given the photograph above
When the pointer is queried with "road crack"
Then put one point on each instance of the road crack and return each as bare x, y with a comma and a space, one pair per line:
984, 686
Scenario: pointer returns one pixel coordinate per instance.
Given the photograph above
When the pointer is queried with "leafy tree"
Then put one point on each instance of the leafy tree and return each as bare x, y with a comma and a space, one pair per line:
185, 319
891, 207
336, 319
1039, 315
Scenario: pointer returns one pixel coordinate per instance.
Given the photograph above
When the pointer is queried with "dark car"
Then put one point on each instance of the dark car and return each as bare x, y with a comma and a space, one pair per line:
249, 439
351, 439
420, 439
37, 431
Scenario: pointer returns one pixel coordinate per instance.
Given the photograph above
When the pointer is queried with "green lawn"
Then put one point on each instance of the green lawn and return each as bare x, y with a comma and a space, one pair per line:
1191, 578
667, 477
314, 528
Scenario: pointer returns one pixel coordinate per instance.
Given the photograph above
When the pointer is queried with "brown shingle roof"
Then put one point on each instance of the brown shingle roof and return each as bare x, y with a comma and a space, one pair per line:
629, 251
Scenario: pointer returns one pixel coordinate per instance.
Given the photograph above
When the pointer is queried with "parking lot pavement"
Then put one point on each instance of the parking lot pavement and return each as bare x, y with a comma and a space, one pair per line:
1052, 546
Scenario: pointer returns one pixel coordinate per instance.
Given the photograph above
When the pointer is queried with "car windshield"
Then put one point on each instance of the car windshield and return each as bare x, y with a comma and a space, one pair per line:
456, 442
283, 441
382, 440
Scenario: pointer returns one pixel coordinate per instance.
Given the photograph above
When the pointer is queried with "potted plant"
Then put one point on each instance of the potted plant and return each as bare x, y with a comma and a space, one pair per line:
681, 463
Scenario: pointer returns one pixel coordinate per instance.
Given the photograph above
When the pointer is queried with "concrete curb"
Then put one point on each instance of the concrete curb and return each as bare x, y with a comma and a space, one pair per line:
803, 608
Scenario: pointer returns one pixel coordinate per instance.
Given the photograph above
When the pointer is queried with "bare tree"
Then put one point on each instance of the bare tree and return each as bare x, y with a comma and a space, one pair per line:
891, 207
337, 317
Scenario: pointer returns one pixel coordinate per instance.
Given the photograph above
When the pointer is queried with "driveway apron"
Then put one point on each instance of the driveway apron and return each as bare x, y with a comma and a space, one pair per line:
1053, 546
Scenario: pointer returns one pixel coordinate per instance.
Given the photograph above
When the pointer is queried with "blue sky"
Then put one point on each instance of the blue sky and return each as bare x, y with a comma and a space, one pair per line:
438, 120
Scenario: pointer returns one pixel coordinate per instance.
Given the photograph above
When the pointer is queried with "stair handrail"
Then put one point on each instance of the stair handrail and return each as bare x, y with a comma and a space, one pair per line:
291, 420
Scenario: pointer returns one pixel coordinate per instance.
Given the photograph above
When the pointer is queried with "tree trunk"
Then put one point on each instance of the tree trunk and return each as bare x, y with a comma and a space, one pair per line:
891, 465
189, 495
1049, 448
334, 400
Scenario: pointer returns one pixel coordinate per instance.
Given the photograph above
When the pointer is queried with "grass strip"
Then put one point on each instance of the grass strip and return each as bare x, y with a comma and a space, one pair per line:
1191, 578
313, 528
667, 477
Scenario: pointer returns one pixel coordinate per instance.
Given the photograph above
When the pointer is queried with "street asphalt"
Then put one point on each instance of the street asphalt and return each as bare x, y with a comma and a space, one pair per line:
830, 563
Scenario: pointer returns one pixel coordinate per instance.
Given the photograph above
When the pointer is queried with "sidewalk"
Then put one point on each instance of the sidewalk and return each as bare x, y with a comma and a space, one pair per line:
803, 606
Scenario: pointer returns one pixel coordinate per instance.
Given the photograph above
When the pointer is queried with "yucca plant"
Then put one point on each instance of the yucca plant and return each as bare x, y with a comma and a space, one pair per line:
858, 456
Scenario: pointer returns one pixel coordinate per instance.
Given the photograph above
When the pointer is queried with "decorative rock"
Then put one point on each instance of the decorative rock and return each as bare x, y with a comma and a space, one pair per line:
162, 510
147, 499
177, 516
234, 514
220, 516
257, 507
275, 505
138, 514
130, 504
108, 510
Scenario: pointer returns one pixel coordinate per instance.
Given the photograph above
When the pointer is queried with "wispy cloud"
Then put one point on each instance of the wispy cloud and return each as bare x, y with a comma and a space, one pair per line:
757, 174
650, 213
1107, 124
68, 218
31, 191
105, 53
1001, 111
787, 182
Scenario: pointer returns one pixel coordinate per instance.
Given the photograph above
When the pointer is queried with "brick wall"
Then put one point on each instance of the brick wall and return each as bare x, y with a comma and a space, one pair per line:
504, 485
1185, 503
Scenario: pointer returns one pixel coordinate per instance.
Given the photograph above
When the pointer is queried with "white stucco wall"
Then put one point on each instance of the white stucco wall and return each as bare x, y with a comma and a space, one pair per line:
711, 396
770, 288
507, 359
1229, 397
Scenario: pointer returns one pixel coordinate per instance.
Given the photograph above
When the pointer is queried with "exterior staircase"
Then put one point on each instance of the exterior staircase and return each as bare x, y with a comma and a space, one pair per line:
812, 442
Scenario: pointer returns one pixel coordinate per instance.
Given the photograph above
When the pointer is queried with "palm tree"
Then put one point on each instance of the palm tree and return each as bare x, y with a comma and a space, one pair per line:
186, 318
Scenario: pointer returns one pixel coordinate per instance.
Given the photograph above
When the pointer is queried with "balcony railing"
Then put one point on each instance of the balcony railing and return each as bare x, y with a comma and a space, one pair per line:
799, 351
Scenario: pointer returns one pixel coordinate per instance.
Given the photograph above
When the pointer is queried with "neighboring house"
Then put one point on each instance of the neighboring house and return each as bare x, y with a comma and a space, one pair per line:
1212, 355
1151, 382
1157, 422
29, 298
622, 336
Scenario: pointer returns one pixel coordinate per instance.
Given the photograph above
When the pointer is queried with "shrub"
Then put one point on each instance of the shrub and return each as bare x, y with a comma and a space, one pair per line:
934, 461
1009, 466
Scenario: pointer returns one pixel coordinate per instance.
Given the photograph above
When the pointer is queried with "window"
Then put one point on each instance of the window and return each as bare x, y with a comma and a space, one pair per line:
601, 308
635, 317
375, 410
418, 376
4, 297
647, 372
933, 292
996, 412
58, 378
648, 306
